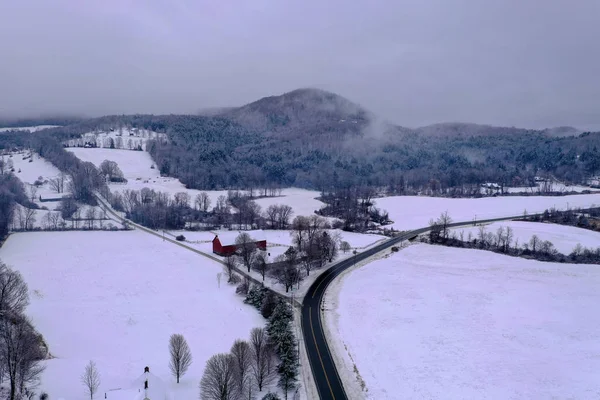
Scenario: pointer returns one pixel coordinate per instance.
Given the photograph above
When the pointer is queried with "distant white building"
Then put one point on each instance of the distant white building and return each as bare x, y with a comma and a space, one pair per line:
146, 387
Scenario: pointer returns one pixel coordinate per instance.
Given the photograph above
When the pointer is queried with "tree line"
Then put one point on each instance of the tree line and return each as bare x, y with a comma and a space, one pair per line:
503, 241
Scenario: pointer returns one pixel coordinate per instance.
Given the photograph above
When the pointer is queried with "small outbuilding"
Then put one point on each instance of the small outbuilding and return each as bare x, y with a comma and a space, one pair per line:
224, 242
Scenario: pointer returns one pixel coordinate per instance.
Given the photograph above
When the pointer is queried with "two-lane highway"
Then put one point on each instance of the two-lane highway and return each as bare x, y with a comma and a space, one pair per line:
326, 377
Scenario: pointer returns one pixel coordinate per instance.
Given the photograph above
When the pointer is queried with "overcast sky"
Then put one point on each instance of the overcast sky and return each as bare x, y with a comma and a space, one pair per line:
529, 63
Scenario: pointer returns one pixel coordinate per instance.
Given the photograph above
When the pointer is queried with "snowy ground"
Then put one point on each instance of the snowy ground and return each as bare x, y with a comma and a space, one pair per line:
410, 212
438, 322
302, 201
564, 238
116, 297
28, 128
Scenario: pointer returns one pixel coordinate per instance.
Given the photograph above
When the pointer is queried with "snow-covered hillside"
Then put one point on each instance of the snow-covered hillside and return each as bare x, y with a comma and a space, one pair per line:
125, 138
410, 212
564, 238
38, 170
115, 298
447, 323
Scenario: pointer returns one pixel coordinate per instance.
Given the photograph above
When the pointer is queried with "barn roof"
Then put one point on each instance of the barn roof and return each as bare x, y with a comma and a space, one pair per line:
228, 238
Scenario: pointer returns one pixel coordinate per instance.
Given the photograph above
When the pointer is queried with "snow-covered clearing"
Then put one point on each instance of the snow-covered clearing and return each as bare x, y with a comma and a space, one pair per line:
410, 212
302, 201
115, 298
438, 322
30, 172
564, 238
28, 128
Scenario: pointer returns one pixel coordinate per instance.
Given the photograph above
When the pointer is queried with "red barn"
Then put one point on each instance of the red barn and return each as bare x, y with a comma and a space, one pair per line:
224, 243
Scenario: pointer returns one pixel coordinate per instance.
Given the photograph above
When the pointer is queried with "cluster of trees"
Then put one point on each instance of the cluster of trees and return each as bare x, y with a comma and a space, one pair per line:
160, 210
253, 365
249, 367
12, 192
313, 247
503, 241
586, 219
354, 206
21, 348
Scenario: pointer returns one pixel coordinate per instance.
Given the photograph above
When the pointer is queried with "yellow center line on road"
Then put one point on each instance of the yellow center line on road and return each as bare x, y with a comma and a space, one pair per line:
318, 352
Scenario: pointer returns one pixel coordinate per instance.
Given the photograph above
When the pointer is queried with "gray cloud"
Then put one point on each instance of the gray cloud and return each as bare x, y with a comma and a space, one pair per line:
530, 63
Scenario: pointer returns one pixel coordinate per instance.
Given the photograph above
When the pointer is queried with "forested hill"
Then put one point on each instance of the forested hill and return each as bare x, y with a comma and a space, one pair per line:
315, 139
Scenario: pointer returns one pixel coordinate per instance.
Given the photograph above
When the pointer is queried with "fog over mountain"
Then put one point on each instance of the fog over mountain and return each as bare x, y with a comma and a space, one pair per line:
509, 63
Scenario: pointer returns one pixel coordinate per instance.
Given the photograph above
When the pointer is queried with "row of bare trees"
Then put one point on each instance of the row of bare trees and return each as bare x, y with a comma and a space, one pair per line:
503, 241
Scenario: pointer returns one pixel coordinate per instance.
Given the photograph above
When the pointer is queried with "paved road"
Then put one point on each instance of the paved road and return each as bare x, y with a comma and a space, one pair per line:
325, 373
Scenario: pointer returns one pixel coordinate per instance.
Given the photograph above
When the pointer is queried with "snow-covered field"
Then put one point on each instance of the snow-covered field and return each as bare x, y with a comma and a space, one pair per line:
29, 172
564, 238
410, 212
447, 323
115, 298
302, 201
28, 128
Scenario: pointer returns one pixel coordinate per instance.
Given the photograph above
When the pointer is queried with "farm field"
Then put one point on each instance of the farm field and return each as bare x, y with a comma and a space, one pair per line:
564, 238
456, 323
411, 212
115, 298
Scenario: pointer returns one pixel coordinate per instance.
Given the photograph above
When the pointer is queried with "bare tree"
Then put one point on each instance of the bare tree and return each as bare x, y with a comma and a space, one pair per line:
202, 201
111, 170
345, 246
29, 217
230, 268
534, 243
272, 215
259, 264
285, 213
242, 357
14, 295
444, 221
58, 183
218, 381
33, 190
182, 199
90, 216
20, 352
246, 247
91, 379
261, 357
181, 356
287, 270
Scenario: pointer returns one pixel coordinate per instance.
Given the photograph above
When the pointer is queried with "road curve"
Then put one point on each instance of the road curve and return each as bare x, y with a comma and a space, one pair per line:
326, 377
